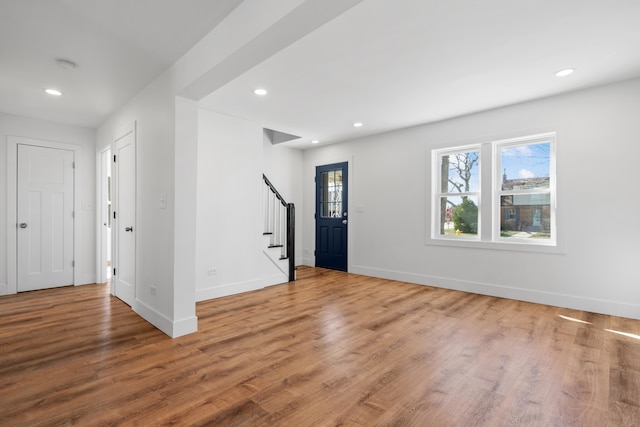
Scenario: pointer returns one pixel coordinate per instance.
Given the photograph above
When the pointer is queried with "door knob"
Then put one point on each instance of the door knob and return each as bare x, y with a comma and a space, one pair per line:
23, 225
344, 221
128, 229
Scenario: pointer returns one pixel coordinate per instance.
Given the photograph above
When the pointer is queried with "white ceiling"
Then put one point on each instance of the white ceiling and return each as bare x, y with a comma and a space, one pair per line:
386, 63
119, 46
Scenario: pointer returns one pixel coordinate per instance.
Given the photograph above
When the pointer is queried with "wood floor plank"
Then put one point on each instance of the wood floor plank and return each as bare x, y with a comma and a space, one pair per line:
331, 349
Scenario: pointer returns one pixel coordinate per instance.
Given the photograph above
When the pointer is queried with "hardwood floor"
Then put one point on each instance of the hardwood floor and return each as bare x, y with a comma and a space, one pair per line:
332, 349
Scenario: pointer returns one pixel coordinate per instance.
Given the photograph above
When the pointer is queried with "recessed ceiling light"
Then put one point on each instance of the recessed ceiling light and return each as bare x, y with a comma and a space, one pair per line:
54, 92
66, 64
260, 92
565, 72
357, 125
315, 141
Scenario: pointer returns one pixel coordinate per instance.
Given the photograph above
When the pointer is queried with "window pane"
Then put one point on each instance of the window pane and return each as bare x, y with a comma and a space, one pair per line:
331, 194
459, 172
525, 166
525, 216
459, 216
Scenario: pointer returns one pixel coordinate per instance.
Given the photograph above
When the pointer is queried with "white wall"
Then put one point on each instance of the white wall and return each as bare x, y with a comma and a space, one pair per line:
11, 125
390, 178
185, 215
231, 160
153, 111
165, 120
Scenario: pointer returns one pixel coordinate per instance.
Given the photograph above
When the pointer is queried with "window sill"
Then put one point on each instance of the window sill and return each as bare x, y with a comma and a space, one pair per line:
521, 246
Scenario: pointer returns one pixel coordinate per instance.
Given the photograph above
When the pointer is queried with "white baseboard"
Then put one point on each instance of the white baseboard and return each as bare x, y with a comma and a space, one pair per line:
613, 308
85, 283
152, 316
4, 289
172, 328
239, 287
185, 326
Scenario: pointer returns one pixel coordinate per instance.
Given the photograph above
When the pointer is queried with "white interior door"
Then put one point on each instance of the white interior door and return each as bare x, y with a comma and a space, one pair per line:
45, 223
124, 224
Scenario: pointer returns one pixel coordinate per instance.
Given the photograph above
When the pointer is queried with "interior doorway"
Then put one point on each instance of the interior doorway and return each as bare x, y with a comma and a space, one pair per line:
45, 217
104, 192
41, 207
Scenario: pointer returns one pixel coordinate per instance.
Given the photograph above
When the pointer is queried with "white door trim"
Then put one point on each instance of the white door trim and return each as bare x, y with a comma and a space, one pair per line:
12, 203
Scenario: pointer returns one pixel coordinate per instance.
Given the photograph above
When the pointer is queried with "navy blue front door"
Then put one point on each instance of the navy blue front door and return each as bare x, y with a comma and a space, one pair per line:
331, 216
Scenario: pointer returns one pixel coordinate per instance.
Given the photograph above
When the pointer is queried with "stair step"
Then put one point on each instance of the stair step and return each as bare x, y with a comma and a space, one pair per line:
267, 233
284, 257
275, 246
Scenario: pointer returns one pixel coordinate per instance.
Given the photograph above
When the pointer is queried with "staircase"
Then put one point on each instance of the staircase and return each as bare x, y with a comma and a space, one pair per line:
279, 229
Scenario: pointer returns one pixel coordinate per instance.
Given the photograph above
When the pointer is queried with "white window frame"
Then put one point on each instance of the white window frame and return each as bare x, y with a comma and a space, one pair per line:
498, 192
436, 166
490, 190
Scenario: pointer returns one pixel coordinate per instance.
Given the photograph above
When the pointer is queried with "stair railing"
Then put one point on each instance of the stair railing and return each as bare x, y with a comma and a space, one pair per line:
279, 224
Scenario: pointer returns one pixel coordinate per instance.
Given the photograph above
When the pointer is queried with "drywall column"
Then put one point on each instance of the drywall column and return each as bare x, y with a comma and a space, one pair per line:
184, 280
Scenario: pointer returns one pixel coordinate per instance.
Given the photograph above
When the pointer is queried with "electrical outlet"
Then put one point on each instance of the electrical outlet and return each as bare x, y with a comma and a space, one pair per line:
212, 271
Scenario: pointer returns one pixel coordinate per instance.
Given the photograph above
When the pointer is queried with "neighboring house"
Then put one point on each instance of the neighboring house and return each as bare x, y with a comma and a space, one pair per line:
525, 213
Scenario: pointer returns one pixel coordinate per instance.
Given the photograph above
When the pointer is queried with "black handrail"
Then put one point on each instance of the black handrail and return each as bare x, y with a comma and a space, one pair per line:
291, 229
270, 185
